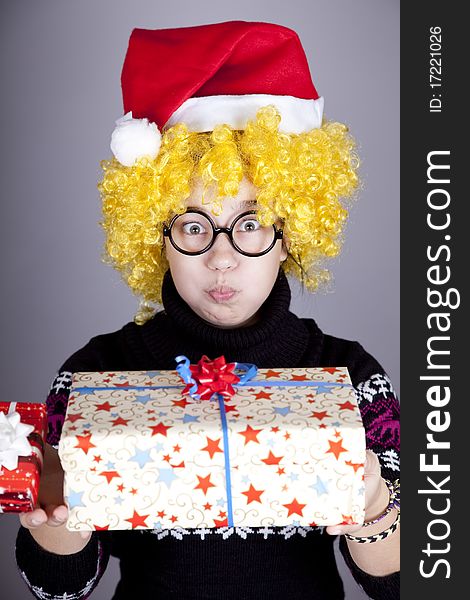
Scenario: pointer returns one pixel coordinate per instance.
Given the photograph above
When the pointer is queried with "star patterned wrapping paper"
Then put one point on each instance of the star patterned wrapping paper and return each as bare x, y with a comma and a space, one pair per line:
138, 454
22, 433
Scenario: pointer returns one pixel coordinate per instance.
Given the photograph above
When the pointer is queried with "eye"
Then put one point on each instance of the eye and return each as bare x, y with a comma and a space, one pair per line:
193, 228
248, 225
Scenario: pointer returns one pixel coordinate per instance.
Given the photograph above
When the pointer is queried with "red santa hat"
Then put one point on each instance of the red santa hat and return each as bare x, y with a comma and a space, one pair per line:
211, 74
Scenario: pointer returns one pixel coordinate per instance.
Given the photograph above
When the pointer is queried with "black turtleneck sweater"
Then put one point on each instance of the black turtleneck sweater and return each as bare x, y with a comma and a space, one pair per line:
293, 562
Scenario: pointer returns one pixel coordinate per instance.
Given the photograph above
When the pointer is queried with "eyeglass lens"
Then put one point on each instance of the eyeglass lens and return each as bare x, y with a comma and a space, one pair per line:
193, 232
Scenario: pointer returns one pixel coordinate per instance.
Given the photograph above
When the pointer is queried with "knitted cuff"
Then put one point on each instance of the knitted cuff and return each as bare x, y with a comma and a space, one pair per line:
60, 576
385, 588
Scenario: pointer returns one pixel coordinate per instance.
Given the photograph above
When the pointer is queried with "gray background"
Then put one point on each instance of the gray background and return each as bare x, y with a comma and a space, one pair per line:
60, 64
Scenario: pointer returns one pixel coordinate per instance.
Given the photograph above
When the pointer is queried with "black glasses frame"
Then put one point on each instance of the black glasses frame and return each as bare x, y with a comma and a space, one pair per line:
278, 234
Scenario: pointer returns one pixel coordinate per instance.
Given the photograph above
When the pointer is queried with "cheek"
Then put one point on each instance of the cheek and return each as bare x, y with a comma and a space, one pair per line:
272, 262
185, 272
177, 261
264, 272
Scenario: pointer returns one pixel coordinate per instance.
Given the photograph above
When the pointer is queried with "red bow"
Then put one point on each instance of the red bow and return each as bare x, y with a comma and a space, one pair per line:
213, 376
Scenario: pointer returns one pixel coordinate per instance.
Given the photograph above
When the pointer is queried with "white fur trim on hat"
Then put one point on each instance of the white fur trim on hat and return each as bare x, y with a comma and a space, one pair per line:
134, 138
203, 113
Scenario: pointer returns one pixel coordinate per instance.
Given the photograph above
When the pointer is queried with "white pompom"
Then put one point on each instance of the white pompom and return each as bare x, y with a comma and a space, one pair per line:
133, 139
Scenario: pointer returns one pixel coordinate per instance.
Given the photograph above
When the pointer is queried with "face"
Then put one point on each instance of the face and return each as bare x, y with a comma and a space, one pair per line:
223, 286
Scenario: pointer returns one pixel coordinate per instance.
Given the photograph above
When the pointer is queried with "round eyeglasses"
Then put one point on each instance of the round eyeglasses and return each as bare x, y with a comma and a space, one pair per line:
194, 233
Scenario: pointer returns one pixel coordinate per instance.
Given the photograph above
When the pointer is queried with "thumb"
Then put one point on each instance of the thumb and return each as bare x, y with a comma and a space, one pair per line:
372, 464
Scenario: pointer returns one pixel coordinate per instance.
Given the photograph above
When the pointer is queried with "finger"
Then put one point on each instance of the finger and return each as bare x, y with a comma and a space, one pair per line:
339, 529
372, 464
57, 515
333, 530
33, 519
374, 486
342, 529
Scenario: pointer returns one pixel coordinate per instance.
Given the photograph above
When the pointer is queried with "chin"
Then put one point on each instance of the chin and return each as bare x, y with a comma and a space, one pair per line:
223, 323
233, 322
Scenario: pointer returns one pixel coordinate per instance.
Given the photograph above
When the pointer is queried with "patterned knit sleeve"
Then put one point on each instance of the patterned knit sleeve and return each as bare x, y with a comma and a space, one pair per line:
52, 576
56, 403
380, 411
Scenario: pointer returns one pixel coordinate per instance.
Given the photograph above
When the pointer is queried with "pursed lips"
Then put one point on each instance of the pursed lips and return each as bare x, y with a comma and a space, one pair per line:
221, 293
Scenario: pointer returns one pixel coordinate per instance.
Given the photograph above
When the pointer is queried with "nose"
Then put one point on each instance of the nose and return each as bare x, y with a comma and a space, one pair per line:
222, 256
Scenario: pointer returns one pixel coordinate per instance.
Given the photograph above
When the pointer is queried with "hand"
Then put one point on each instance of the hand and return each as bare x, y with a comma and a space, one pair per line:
51, 510
376, 496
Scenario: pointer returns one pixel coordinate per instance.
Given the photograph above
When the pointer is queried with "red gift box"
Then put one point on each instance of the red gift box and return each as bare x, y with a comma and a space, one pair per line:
19, 477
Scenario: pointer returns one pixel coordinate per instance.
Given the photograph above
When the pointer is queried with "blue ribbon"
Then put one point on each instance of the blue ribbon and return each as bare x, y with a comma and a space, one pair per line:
250, 372
182, 366
320, 385
228, 481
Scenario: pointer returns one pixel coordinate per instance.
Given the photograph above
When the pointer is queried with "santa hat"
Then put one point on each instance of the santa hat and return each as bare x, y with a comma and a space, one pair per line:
211, 74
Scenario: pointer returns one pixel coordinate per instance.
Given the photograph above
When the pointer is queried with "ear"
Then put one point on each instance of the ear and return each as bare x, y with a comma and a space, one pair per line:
284, 249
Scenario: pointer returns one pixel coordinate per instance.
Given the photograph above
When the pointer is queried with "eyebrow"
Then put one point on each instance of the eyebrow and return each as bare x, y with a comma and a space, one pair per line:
241, 205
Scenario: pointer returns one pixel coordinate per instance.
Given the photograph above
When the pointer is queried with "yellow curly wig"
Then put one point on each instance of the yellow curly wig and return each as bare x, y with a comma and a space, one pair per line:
300, 179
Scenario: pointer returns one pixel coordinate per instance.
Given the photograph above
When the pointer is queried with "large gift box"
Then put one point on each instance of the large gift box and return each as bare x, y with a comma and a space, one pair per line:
288, 447
22, 434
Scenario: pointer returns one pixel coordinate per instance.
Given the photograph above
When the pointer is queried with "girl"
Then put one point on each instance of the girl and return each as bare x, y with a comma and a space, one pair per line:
242, 187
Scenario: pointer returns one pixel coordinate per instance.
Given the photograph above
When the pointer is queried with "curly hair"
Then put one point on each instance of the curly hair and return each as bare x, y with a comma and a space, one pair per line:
302, 179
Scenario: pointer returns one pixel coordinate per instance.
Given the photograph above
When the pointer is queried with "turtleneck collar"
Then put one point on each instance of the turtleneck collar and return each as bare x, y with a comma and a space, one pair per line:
278, 339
